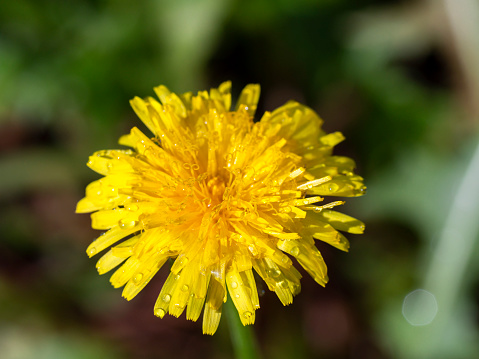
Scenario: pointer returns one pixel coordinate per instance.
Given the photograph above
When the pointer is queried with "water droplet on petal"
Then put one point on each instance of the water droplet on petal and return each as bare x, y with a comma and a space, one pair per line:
167, 298
275, 273
133, 207
237, 296
184, 288
92, 251
127, 223
294, 251
160, 312
138, 278
333, 187
247, 314
234, 285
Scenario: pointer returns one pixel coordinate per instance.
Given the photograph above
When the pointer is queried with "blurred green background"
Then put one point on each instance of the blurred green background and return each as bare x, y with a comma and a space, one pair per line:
399, 78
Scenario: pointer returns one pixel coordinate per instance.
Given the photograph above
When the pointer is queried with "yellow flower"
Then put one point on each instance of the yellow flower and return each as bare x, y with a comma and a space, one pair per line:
221, 196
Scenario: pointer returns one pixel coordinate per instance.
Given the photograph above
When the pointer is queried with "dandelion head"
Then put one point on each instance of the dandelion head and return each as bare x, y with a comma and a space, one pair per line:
223, 197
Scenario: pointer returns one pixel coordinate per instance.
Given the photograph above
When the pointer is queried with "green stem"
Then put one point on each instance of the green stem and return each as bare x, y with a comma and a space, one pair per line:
242, 337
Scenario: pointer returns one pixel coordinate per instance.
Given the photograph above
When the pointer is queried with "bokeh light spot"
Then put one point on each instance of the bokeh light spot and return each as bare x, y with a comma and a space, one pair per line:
419, 307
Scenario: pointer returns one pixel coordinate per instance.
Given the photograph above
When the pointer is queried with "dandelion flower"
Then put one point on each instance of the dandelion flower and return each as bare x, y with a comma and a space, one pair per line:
222, 197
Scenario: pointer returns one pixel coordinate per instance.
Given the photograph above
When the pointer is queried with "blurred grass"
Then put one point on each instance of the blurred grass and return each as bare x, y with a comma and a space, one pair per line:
396, 77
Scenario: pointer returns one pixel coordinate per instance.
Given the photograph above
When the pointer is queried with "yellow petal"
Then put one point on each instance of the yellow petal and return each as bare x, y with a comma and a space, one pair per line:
309, 257
195, 307
85, 205
107, 219
169, 98
125, 272
340, 221
331, 139
145, 272
162, 304
108, 238
110, 161
222, 96
248, 99
108, 261
141, 109
248, 280
241, 296
313, 226
344, 186
214, 303
299, 125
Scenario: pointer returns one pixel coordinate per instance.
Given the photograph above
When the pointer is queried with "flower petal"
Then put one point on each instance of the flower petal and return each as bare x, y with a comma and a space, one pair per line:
248, 99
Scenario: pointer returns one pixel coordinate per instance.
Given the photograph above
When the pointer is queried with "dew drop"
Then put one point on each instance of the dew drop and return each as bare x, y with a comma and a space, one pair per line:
284, 284
92, 251
138, 278
133, 207
247, 314
234, 285
160, 312
167, 298
237, 296
127, 223
184, 288
294, 251
275, 273
333, 187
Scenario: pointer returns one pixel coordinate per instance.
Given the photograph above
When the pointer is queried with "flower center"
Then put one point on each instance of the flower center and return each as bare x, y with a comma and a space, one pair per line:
216, 186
